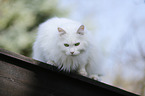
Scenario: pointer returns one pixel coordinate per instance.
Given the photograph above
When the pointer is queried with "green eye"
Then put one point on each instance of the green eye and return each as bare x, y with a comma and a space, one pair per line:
66, 45
77, 44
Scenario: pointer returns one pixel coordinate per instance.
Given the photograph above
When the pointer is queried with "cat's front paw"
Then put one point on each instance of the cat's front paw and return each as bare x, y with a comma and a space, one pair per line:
50, 62
95, 77
83, 72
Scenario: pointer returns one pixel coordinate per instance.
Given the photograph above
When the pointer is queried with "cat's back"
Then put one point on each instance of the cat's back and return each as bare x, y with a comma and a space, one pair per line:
49, 28
56, 22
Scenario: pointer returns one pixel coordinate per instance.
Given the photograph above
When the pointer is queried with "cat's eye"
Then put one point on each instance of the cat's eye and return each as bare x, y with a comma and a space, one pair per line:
66, 45
77, 44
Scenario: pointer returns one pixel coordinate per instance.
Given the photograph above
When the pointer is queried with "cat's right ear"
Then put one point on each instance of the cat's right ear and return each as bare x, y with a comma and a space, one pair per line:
61, 31
81, 30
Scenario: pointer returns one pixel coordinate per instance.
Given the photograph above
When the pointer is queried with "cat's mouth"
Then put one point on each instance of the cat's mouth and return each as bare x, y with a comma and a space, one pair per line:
73, 55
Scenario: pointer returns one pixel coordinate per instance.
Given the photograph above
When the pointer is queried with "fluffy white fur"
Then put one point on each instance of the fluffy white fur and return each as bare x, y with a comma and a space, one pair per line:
49, 47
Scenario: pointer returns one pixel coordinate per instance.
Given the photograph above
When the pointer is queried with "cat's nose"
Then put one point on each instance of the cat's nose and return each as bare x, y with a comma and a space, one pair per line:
72, 52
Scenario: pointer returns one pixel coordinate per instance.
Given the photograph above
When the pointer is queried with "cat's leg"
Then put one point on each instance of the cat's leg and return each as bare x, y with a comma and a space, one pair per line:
93, 71
82, 70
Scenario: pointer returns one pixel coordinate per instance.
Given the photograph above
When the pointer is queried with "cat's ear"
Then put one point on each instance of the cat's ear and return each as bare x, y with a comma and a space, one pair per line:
81, 30
61, 31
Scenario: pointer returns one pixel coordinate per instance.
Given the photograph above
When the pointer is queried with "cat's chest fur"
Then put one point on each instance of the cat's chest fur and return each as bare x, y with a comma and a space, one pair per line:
70, 63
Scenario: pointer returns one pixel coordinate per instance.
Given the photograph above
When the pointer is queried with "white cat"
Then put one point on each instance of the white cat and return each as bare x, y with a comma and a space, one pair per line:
68, 45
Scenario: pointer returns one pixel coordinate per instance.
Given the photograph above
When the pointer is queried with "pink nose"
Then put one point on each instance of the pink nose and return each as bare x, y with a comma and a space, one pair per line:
72, 52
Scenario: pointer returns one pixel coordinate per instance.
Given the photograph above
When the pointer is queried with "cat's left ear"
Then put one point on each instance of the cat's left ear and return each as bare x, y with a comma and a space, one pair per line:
61, 31
81, 30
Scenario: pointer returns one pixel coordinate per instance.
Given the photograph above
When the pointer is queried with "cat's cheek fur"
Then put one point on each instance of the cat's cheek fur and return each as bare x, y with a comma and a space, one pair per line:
76, 53
67, 53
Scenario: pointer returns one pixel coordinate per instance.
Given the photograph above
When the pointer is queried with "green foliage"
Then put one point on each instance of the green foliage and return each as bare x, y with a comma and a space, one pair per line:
19, 20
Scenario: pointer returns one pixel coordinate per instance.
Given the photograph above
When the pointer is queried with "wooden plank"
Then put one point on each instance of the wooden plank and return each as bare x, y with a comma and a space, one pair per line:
23, 76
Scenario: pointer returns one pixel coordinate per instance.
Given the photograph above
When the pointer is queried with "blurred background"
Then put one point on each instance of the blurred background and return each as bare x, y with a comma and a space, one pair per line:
118, 26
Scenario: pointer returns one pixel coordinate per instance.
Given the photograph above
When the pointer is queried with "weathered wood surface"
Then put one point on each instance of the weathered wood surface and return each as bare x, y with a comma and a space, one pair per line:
23, 76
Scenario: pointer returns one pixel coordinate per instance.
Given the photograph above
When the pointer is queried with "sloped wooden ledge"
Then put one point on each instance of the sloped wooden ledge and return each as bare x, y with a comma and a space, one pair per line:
23, 76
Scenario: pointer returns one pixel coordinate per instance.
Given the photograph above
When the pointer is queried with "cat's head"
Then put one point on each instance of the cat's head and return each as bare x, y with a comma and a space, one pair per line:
73, 41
